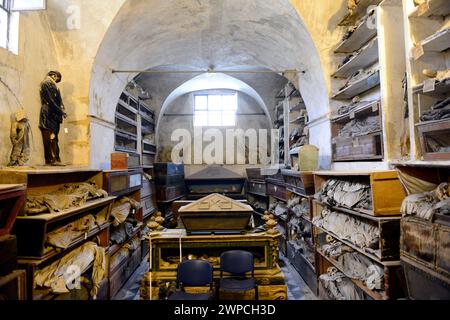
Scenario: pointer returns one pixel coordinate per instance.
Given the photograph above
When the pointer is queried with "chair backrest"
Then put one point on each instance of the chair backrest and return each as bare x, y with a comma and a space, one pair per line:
237, 262
195, 273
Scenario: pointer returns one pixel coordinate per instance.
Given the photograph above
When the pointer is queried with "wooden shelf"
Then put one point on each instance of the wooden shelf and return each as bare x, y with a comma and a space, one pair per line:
358, 12
441, 89
126, 119
371, 293
432, 8
126, 135
361, 213
128, 107
53, 217
362, 35
360, 250
115, 248
363, 110
367, 57
257, 194
299, 120
438, 42
57, 253
365, 84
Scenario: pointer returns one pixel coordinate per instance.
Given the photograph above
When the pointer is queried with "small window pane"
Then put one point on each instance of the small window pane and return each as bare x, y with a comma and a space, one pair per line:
23, 5
201, 119
3, 28
215, 119
230, 102
201, 102
215, 102
228, 119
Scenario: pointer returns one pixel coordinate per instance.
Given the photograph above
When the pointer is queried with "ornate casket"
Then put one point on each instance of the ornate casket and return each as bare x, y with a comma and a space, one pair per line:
215, 179
215, 214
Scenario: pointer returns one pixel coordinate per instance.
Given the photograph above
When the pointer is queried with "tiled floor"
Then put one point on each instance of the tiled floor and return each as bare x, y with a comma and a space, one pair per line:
297, 288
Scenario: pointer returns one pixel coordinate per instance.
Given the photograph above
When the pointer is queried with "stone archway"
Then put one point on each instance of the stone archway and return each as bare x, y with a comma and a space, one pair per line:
219, 33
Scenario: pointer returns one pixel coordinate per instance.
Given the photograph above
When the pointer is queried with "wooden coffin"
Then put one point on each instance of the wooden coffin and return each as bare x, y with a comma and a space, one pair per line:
255, 187
255, 174
277, 190
300, 182
369, 147
124, 161
303, 266
168, 169
215, 179
426, 243
8, 254
432, 132
148, 206
13, 286
120, 276
148, 159
216, 214
119, 183
424, 283
167, 181
12, 200
148, 188
168, 194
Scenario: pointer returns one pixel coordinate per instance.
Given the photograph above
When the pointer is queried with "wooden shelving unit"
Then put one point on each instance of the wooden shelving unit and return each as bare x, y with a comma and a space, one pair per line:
130, 184
387, 255
427, 44
301, 185
366, 57
32, 231
135, 129
376, 45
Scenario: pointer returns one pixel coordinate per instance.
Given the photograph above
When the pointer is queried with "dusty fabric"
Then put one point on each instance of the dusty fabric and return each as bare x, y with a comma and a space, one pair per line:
336, 286
122, 209
356, 102
358, 127
122, 233
302, 209
426, 205
346, 227
439, 111
53, 276
64, 237
358, 75
257, 203
355, 265
69, 196
415, 185
347, 193
438, 144
280, 210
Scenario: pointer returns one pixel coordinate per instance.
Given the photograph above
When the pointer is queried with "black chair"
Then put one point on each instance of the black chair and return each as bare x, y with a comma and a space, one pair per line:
193, 273
237, 263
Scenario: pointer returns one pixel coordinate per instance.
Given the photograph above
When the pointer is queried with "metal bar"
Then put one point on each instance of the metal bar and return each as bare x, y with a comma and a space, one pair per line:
206, 71
192, 114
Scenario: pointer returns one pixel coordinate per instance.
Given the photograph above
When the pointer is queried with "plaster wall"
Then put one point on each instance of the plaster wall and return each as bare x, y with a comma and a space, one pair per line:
20, 77
252, 117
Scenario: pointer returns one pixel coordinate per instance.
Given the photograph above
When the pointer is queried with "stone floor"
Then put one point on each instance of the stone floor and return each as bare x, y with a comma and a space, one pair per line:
297, 288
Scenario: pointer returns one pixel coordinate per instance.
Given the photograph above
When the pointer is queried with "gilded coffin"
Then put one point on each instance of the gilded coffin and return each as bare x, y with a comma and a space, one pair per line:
215, 214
